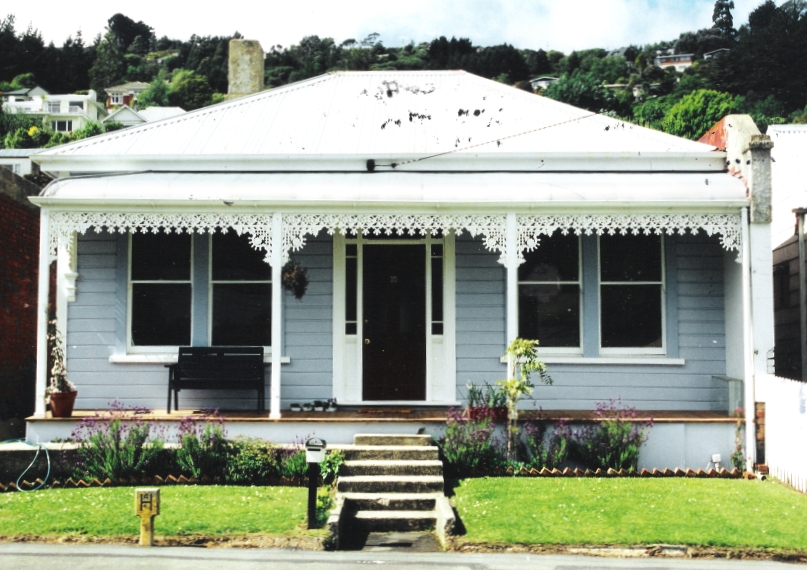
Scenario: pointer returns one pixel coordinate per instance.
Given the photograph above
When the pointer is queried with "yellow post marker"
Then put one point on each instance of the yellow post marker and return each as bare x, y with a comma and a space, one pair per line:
147, 506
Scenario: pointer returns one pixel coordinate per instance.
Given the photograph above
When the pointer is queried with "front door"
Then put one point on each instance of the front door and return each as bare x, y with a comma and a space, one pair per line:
394, 314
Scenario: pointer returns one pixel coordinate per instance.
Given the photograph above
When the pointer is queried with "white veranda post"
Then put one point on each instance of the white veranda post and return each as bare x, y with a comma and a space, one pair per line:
278, 255
511, 263
42, 313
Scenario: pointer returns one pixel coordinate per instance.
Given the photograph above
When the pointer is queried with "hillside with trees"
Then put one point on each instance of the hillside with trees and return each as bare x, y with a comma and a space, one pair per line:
760, 70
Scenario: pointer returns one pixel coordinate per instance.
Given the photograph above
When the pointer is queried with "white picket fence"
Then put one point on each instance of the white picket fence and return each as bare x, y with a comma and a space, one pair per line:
786, 430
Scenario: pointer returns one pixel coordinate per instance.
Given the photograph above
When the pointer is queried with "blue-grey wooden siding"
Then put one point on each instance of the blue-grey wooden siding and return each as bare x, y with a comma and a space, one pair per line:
96, 330
695, 325
96, 318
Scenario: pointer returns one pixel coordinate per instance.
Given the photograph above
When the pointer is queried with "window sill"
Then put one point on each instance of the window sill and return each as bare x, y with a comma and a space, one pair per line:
168, 358
614, 360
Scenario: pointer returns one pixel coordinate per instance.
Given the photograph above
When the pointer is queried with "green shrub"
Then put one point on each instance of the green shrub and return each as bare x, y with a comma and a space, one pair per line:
251, 462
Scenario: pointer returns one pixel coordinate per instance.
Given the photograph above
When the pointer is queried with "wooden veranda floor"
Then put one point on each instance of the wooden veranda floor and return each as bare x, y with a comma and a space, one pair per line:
407, 415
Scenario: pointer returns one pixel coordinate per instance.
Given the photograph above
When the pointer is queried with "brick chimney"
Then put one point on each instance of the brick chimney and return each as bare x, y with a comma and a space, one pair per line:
245, 74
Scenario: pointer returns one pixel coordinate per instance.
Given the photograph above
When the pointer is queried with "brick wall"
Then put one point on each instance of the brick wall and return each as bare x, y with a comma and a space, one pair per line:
19, 252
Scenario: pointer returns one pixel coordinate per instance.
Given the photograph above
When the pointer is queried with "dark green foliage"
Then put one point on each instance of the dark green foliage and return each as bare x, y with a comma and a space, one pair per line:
252, 462
581, 90
126, 31
722, 18
189, 90
694, 113
203, 448
109, 67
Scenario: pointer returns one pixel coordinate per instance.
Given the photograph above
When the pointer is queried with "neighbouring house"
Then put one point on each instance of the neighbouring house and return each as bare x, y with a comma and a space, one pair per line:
439, 215
788, 240
19, 250
126, 94
62, 113
716, 53
18, 160
129, 117
678, 61
542, 82
22, 95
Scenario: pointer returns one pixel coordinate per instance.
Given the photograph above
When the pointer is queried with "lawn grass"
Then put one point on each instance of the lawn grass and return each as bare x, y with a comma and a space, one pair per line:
590, 511
185, 511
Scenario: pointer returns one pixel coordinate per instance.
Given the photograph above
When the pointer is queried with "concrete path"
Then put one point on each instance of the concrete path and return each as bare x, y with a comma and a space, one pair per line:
15, 556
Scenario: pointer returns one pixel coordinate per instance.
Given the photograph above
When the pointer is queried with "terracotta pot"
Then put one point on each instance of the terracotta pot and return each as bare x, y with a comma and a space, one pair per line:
61, 404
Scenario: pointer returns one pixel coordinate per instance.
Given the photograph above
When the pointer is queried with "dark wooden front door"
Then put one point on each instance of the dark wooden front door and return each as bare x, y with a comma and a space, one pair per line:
394, 351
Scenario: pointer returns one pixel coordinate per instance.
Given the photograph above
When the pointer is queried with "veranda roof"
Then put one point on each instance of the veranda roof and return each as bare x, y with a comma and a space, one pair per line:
411, 190
418, 120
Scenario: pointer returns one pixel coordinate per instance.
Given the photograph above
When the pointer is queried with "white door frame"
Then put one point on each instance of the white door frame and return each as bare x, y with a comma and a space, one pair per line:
440, 349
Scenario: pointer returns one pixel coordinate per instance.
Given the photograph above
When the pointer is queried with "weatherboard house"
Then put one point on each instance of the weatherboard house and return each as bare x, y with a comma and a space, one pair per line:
439, 215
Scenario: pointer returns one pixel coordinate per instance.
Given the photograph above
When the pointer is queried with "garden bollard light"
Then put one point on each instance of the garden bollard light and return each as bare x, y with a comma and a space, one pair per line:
147, 506
314, 455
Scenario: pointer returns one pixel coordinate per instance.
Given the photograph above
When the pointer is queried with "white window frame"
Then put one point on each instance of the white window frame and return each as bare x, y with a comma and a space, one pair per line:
211, 283
137, 349
116, 98
639, 351
563, 350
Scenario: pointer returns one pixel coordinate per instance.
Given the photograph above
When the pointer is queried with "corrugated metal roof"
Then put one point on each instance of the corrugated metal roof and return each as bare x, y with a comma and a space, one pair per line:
423, 189
160, 113
385, 113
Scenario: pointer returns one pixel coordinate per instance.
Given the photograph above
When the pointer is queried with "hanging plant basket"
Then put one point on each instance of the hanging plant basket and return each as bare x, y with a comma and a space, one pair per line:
295, 278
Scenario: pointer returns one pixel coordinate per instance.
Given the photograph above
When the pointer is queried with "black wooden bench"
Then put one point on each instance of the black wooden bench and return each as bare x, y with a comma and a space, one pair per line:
217, 368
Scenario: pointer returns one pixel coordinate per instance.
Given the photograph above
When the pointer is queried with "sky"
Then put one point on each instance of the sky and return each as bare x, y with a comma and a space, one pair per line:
563, 25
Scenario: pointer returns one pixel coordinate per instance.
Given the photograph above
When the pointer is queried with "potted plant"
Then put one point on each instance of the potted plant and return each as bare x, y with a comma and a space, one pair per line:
490, 402
319, 406
295, 407
61, 392
330, 405
307, 407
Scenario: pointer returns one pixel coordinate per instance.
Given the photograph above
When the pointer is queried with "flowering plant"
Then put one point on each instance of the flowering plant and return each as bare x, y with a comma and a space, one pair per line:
58, 369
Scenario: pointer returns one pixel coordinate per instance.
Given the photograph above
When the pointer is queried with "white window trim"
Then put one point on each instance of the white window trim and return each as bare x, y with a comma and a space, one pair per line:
153, 349
625, 351
563, 350
211, 283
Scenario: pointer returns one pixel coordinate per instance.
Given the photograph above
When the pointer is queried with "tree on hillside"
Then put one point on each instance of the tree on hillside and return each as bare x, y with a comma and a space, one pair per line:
125, 31
189, 90
694, 113
109, 66
722, 19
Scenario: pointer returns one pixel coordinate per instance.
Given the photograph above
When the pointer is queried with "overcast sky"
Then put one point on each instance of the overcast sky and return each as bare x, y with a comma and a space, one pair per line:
563, 25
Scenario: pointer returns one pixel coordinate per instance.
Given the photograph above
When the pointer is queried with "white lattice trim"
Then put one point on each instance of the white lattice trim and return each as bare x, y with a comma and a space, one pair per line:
64, 224
297, 227
492, 228
727, 226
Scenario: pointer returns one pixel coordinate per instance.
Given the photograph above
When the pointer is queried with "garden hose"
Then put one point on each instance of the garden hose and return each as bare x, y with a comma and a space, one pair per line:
39, 447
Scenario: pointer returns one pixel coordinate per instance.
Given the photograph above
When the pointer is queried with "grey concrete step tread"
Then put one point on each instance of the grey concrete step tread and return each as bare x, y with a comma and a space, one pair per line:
354, 496
392, 439
393, 478
402, 515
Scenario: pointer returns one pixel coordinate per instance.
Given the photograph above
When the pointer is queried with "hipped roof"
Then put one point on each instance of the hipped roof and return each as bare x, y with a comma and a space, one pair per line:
438, 120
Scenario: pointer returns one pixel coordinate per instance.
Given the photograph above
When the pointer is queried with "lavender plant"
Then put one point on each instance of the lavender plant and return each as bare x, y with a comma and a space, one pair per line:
543, 452
614, 441
468, 446
116, 444
203, 447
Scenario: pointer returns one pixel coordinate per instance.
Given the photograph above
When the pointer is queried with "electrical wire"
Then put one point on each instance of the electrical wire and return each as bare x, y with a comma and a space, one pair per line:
39, 447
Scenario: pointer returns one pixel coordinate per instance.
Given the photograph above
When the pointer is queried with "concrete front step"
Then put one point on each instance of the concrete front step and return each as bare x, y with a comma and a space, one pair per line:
390, 501
392, 439
391, 484
400, 521
391, 467
390, 452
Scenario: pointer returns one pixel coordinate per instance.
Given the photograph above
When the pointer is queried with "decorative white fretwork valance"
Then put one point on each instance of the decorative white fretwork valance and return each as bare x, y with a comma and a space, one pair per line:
492, 228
